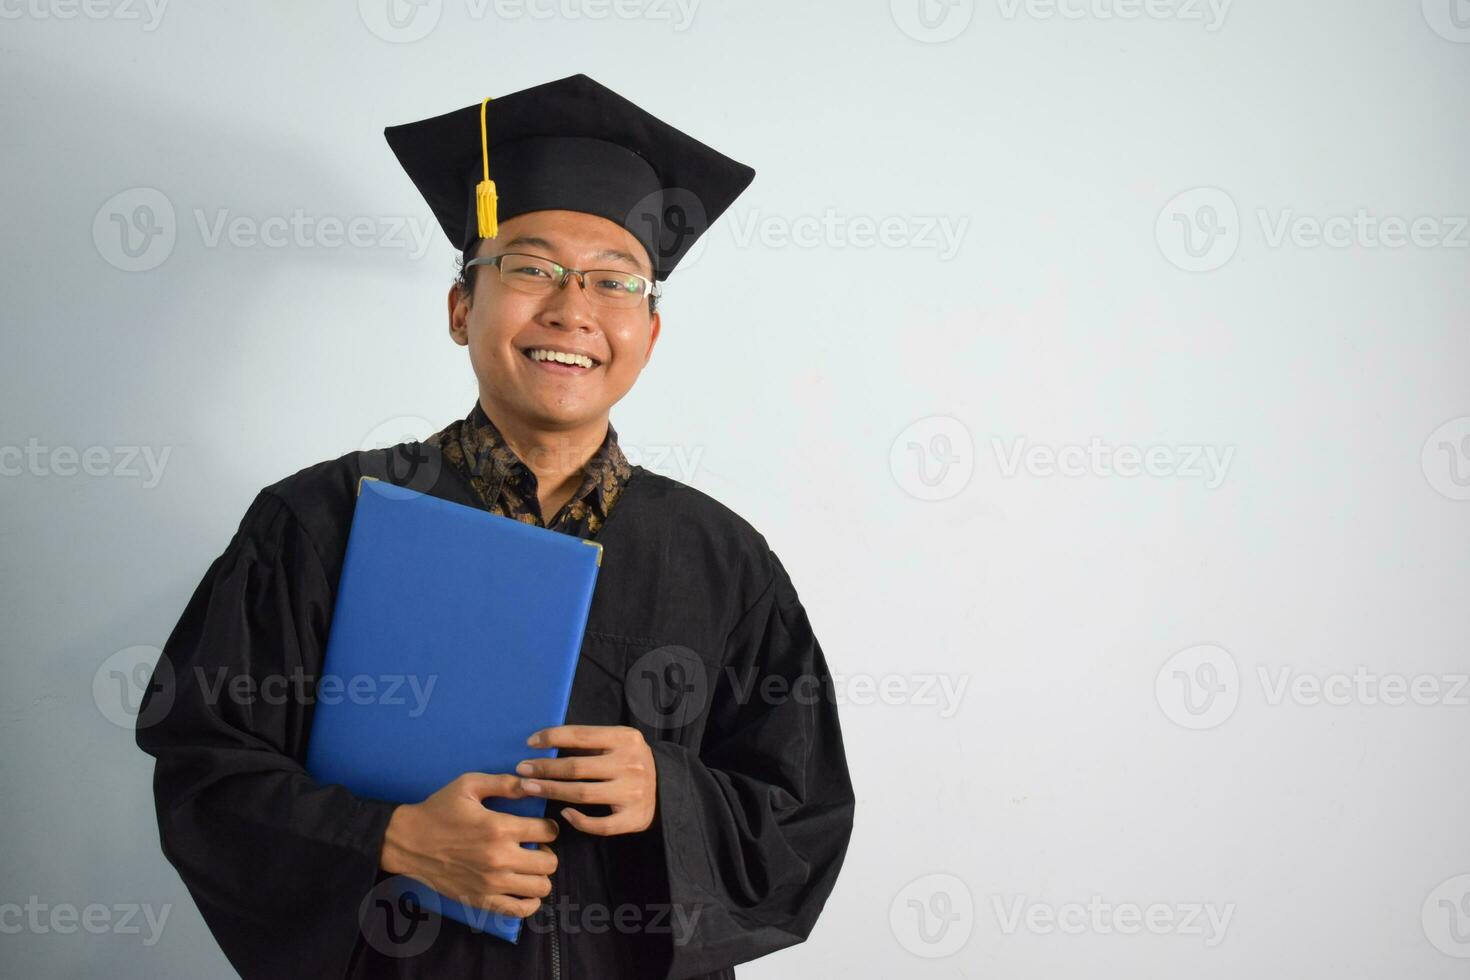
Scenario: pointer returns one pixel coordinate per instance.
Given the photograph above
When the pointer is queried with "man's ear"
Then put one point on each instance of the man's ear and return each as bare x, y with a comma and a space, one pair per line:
652, 337
459, 314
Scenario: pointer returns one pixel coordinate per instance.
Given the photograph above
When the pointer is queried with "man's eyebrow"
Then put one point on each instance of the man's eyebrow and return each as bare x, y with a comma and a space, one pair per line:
614, 253
529, 240
607, 253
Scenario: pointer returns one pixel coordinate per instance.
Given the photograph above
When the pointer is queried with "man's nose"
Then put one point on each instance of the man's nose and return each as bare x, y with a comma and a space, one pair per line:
568, 304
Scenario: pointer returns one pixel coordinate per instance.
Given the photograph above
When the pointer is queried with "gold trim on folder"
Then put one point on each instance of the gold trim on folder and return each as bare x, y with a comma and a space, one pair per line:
365, 477
598, 546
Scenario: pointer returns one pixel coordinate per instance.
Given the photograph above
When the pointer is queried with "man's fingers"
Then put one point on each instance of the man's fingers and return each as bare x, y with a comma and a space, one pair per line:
479, 785
570, 767
535, 830
525, 885
584, 736
539, 860
601, 826
555, 789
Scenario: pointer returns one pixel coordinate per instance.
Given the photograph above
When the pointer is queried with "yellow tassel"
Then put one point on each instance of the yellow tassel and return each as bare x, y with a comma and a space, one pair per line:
485, 190
485, 208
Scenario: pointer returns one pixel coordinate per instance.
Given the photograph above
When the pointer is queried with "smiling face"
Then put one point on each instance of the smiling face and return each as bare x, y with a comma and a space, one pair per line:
501, 325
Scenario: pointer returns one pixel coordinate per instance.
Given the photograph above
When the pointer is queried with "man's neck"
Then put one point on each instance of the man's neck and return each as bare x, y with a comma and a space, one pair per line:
557, 457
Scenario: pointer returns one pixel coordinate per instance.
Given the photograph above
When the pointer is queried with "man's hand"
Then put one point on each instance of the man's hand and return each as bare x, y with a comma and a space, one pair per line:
613, 765
454, 845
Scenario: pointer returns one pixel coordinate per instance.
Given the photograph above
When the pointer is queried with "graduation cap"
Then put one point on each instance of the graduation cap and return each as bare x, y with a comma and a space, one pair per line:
572, 145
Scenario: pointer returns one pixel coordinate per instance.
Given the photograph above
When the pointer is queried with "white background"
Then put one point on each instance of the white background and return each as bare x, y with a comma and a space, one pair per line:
826, 389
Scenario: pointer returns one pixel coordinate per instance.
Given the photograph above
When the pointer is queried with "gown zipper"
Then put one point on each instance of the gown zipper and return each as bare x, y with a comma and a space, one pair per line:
555, 939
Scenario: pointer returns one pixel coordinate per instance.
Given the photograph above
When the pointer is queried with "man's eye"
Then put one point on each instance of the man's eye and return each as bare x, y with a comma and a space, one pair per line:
529, 271
619, 285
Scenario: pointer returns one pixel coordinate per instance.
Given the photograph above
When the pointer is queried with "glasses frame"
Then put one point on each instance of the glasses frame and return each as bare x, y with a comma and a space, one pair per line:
651, 287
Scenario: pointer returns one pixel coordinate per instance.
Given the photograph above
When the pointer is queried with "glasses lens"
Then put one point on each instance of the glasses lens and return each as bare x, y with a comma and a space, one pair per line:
529, 273
610, 287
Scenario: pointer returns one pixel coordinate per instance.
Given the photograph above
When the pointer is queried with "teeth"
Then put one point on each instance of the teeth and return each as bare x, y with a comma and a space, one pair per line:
581, 360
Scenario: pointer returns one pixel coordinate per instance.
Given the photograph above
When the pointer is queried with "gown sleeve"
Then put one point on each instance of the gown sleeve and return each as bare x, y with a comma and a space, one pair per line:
754, 825
277, 863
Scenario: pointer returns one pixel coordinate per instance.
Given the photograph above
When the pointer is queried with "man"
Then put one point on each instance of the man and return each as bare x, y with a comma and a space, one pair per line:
700, 809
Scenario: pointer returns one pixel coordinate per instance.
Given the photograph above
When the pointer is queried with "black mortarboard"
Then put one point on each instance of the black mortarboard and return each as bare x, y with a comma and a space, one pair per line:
572, 145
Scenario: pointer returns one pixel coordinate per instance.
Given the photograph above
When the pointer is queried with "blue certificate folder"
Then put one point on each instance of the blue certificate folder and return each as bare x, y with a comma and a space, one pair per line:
455, 635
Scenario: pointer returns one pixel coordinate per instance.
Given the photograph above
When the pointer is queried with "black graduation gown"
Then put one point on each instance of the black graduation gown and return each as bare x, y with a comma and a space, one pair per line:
754, 807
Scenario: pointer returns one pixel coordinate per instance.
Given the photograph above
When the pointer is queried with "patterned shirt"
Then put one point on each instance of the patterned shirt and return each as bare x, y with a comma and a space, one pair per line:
506, 486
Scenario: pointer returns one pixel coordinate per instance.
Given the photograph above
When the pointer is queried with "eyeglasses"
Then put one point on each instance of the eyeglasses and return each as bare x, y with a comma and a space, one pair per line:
609, 288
